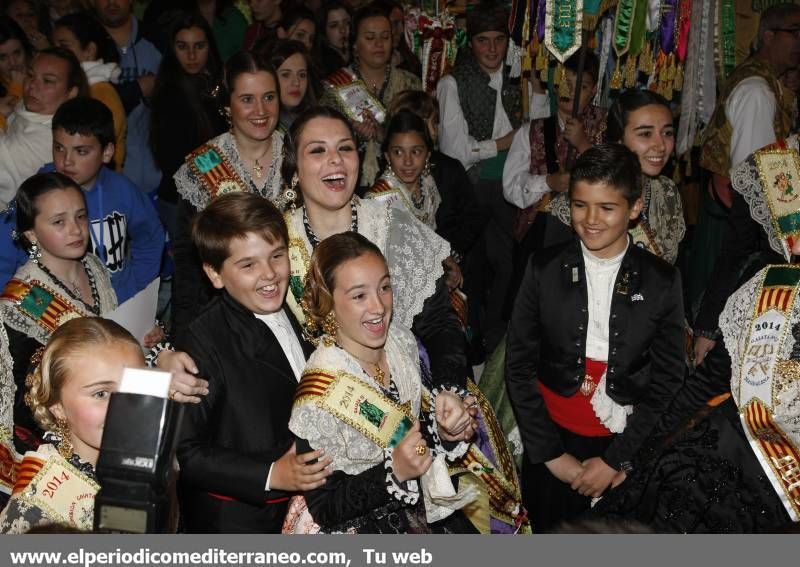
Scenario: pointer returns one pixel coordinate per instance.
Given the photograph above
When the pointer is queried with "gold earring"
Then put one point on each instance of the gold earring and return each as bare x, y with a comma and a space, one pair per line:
65, 448
329, 326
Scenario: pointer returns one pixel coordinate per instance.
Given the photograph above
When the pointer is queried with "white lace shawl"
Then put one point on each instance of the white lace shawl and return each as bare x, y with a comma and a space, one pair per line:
664, 213
350, 450
191, 188
7, 390
735, 322
401, 198
21, 322
746, 181
413, 251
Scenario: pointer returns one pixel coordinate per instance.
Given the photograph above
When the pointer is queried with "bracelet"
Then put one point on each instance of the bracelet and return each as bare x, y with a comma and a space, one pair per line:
151, 358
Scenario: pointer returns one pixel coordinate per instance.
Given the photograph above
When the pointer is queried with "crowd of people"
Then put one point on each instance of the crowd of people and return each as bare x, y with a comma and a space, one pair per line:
387, 310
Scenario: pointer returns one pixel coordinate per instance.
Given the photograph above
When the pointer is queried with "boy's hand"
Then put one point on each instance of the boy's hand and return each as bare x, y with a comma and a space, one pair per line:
595, 479
565, 468
293, 473
576, 135
184, 386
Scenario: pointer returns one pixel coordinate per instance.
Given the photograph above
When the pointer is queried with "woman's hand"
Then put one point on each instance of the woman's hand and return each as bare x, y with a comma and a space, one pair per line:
452, 274
454, 418
184, 386
368, 128
295, 473
407, 461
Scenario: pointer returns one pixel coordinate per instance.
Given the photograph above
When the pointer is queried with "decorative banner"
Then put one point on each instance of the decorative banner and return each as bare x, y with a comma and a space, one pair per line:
435, 41
779, 171
563, 26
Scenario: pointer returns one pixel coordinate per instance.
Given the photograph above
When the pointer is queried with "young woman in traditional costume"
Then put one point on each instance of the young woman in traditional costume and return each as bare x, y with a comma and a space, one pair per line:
68, 393
388, 445
364, 90
321, 164
247, 158
61, 280
733, 467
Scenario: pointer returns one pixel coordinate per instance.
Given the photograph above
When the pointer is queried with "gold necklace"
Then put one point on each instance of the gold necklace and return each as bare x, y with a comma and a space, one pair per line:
258, 169
380, 375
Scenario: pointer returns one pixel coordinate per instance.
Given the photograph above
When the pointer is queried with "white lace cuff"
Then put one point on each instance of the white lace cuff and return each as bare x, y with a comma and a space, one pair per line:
609, 412
406, 492
451, 450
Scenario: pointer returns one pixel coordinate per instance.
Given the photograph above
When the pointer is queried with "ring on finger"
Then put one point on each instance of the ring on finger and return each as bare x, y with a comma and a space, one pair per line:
421, 449
171, 395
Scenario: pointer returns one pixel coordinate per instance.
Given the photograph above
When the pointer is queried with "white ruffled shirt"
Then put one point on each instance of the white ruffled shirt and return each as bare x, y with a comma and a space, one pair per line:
601, 274
100, 72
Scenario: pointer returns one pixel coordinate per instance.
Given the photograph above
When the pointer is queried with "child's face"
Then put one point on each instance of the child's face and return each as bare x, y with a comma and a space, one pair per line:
61, 226
80, 157
255, 273
600, 217
92, 375
587, 92
362, 303
649, 133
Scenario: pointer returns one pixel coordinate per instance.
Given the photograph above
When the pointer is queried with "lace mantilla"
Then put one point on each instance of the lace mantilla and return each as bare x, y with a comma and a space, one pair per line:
350, 450
746, 181
190, 187
7, 390
20, 321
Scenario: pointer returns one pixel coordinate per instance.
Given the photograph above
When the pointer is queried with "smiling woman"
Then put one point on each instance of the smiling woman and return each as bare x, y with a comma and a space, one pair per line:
247, 158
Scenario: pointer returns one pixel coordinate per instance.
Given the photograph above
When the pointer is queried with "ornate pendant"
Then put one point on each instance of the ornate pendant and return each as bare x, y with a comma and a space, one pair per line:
588, 387
258, 169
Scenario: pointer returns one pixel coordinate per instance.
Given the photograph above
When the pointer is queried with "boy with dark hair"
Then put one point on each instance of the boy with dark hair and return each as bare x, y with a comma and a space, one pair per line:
125, 230
537, 166
595, 344
238, 458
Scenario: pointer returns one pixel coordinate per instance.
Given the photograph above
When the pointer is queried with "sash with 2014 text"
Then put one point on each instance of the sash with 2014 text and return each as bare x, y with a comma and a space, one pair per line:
214, 171
760, 384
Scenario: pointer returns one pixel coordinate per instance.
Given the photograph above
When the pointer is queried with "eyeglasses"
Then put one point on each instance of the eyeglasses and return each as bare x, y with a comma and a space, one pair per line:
794, 31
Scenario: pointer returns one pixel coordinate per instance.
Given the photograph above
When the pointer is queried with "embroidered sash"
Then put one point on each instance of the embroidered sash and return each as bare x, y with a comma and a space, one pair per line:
299, 263
214, 171
8, 464
643, 237
760, 383
347, 398
52, 484
779, 173
40, 303
354, 97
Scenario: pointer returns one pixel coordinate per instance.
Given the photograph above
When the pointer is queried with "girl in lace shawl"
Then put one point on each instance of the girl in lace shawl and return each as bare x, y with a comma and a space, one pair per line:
642, 121
59, 282
362, 402
68, 394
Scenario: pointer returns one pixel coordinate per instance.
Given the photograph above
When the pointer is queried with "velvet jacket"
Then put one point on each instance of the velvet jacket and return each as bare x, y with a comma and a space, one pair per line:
547, 345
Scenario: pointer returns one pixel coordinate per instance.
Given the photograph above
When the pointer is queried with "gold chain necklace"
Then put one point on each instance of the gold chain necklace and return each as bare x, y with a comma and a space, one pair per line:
380, 375
258, 169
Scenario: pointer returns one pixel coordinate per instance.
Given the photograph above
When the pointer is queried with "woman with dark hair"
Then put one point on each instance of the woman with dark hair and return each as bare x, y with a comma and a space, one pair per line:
364, 90
185, 109
296, 77
33, 20
246, 158
334, 43
402, 56
84, 36
54, 76
321, 164
299, 23
15, 53
227, 22
68, 282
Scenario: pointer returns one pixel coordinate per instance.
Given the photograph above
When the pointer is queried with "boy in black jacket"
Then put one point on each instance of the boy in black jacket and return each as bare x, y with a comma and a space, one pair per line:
595, 345
238, 458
